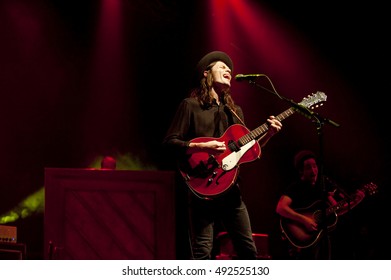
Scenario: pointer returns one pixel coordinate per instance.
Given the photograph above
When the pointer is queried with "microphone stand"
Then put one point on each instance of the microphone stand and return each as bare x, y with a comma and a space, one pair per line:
319, 122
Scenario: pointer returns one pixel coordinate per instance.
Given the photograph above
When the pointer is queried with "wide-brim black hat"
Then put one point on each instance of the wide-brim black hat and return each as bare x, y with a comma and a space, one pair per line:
212, 57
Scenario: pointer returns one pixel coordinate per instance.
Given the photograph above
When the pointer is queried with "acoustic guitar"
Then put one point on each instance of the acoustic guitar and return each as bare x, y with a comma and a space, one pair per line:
300, 237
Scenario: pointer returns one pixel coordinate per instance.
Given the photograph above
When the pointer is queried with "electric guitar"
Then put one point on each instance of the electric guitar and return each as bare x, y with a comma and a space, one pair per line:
210, 175
300, 237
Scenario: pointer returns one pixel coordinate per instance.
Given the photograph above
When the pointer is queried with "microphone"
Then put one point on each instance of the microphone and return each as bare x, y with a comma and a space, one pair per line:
247, 77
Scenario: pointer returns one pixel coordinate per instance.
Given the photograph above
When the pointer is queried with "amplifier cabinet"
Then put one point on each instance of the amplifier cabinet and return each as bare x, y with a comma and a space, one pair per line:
95, 214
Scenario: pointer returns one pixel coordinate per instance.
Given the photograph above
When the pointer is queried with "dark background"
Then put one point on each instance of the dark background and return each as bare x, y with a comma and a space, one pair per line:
73, 91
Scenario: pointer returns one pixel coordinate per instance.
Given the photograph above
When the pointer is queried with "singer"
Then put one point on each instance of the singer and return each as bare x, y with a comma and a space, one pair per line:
206, 114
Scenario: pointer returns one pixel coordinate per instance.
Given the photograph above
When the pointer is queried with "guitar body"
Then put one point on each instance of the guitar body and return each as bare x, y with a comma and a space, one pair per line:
298, 235
210, 175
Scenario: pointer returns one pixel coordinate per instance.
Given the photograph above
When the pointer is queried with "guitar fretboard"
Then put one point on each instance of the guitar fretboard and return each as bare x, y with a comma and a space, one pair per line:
259, 131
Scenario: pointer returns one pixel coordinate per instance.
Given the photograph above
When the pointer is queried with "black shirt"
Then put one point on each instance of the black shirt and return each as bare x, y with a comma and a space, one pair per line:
193, 120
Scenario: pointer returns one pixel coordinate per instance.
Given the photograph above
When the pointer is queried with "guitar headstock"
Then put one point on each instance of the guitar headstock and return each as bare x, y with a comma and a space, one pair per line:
314, 100
369, 188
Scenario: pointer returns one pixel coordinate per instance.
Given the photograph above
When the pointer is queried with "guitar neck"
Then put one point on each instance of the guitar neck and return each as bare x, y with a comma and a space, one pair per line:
259, 131
368, 189
335, 207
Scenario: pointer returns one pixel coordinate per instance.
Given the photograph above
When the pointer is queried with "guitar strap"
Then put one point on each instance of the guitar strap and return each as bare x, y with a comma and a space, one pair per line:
234, 113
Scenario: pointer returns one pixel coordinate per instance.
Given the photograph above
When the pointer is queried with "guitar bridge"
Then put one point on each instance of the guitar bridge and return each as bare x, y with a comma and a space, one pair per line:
205, 168
212, 162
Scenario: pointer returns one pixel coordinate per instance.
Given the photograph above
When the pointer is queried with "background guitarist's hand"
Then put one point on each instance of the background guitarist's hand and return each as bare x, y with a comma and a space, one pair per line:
210, 147
352, 201
310, 224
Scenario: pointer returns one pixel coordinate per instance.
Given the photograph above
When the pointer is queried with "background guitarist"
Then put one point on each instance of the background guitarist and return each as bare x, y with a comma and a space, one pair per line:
208, 112
300, 208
